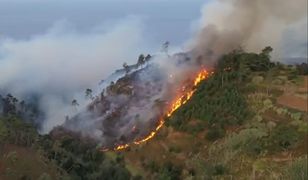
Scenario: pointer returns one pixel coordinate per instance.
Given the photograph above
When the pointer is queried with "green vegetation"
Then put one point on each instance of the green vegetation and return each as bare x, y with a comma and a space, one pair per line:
219, 101
70, 157
298, 169
236, 126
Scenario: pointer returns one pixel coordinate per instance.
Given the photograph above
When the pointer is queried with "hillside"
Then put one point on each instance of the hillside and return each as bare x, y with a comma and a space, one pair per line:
238, 125
246, 121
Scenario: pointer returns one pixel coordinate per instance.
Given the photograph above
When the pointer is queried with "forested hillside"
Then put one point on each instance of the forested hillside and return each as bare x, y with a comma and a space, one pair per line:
236, 126
248, 120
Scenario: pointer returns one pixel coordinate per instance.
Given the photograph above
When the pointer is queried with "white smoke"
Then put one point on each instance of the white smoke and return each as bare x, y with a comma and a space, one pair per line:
229, 24
62, 63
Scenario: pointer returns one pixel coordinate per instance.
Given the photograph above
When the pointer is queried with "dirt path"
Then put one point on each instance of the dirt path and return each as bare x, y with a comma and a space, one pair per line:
295, 101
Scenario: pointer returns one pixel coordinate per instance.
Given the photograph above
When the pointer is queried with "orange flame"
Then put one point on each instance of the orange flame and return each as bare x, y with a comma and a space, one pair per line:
183, 99
121, 147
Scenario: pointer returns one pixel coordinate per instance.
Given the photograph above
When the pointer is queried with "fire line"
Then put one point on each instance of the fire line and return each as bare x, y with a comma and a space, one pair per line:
181, 100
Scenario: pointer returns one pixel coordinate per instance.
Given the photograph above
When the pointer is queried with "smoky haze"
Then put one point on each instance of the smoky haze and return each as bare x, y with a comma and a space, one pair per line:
252, 25
59, 65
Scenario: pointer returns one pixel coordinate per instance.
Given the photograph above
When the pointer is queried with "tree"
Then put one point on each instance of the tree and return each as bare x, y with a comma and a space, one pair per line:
147, 58
89, 93
9, 104
165, 47
3, 132
126, 67
141, 60
1, 104
267, 50
22, 105
75, 103
302, 68
170, 171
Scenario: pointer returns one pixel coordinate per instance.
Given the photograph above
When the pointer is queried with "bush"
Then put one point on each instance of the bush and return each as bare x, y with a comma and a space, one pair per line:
152, 166
219, 169
175, 149
245, 140
296, 116
284, 137
302, 69
45, 176
298, 169
170, 172
3, 131
215, 133
257, 79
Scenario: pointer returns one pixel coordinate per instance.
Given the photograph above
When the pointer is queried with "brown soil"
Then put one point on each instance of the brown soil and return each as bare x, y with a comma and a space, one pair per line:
28, 163
294, 101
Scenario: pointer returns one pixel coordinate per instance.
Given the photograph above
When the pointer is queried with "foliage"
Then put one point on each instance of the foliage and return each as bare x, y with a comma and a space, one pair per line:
215, 133
257, 79
14, 130
219, 101
82, 160
3, 131
244, 139
302, 69
11, 106
45, 176
233, 96
170, 171
283, 137
298, 170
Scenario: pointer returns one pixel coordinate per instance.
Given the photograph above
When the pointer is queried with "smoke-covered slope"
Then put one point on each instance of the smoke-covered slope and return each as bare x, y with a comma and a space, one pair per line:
130, 108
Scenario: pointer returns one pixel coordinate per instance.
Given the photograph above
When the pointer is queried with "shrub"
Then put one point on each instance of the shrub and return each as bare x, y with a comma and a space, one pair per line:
219, 169
298, 169
175, 149
215, 133
3, 131
296, 116
45, 176
257, 79
244, 139
284, 137
170, 172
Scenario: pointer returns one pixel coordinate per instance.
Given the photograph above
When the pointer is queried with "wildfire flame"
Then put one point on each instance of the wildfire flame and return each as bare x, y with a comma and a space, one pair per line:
179, 101
201, 76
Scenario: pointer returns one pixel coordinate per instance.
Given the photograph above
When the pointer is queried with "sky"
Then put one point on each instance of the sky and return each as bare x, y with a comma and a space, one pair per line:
163, 20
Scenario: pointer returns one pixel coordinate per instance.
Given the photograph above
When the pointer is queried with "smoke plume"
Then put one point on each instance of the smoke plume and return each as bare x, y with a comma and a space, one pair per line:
252, 25
58, 66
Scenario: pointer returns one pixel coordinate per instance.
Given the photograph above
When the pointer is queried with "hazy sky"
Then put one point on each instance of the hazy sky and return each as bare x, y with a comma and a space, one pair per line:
163, 20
